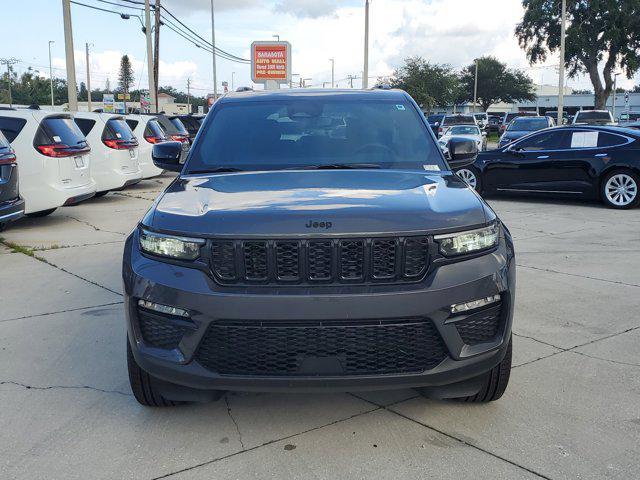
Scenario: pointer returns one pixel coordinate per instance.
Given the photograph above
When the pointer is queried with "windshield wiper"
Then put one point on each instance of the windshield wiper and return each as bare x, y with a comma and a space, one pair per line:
336, 166
216, 170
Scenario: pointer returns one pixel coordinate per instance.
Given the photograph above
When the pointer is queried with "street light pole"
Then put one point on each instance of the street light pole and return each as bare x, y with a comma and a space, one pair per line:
563, 21
70, 60
333, 65
213, 44
86, 46
233, 74
8, 62
51, 73
615, 88
475, 88
365, 80
150, 61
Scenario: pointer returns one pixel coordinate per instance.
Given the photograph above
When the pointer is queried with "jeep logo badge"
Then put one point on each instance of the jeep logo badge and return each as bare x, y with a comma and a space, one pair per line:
314, 224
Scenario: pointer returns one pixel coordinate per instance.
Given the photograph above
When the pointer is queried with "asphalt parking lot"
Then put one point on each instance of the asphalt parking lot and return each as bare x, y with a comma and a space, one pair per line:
572, 409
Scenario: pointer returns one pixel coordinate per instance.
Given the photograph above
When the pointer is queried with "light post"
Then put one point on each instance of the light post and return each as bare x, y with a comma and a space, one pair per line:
233, 74
475, 88
615, 88
69, 55
333, 65
563, 21
213, 45
51, 73
365, 74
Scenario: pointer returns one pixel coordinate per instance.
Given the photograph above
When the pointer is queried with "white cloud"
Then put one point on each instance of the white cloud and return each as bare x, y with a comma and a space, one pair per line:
307, 8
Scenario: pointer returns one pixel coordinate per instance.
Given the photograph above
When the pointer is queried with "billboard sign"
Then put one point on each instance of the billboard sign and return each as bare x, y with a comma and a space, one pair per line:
108, 103
271, 63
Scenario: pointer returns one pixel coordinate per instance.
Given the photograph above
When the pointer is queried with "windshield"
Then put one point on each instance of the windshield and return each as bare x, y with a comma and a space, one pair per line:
597, 116
464, 130
295, 133
528, 124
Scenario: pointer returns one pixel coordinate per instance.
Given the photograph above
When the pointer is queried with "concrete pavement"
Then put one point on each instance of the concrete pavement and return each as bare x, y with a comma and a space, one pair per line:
572, 409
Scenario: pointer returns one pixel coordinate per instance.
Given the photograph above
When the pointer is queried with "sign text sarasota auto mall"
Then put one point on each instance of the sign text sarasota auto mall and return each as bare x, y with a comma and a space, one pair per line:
271, 63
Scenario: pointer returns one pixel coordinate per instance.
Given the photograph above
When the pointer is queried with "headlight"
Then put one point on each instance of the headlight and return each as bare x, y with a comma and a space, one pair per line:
452, 244
170, 246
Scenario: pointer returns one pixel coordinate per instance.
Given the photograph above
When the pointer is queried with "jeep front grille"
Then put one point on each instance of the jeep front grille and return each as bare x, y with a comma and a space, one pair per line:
313, 261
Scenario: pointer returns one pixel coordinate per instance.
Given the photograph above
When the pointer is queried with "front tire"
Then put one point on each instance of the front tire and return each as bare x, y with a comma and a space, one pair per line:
471, 175
41, 213
144, 386
619, 189
495, 383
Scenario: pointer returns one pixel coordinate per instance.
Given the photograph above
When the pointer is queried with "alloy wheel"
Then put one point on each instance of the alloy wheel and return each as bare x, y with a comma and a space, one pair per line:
469, 177
621, 190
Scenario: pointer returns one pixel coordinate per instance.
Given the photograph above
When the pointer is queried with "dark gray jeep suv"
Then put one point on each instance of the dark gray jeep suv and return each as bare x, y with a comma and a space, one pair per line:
317, 240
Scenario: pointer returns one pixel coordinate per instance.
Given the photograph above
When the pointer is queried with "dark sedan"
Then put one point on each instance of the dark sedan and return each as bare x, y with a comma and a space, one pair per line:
521, 126
435, 121
590, 162
11, 205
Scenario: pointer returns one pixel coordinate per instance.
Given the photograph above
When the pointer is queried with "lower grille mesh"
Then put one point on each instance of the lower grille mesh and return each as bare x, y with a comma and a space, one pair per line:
480, 327
335, 349
158, 331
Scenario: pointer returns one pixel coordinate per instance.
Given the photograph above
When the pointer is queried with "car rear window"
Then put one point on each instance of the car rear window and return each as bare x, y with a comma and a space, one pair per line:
117, 129
4, 144
11, 127
459, 120
594, 116
85, 125
294, 133
59, 130
154, 129
528, 124
464, 130
179, 125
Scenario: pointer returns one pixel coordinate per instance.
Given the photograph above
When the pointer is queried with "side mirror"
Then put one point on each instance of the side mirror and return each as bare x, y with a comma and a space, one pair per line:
167, 156
462, 152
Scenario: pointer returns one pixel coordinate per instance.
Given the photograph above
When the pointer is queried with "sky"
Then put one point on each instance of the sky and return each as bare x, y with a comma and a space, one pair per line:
442, 31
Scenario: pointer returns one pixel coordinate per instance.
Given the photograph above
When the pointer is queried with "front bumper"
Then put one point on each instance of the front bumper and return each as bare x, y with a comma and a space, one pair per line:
11, 210
195, 291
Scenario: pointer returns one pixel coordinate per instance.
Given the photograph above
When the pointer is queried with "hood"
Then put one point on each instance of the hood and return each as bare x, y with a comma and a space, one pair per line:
316, 202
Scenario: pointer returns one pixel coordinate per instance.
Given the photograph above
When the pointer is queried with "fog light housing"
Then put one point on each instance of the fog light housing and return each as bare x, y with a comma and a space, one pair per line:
473, 304
165, 309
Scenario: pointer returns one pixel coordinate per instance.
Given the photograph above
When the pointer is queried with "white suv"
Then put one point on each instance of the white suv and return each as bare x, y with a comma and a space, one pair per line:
149, 132
593, 117
115, 149
55, 159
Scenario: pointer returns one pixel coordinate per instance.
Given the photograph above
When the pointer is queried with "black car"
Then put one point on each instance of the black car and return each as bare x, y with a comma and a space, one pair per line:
11, 205
190, 123
493, 124
590, 162
521, 126
297, 252
435, 121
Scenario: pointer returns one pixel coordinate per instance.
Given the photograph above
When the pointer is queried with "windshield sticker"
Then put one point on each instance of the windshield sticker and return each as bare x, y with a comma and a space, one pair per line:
56, 139
400, 107
118, 135
584, 139
435, 168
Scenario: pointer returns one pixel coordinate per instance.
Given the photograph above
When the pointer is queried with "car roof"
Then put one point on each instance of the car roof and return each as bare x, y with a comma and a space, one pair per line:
102, 115
601, 128
28, 113
309, 93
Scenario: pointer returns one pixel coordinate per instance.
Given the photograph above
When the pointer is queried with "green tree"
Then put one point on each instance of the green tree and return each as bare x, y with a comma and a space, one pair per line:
599, 32
125, 76
83, 94
496, 83
429, 84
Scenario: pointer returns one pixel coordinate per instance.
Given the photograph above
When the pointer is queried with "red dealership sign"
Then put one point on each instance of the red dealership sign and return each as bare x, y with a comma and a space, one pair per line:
270, 62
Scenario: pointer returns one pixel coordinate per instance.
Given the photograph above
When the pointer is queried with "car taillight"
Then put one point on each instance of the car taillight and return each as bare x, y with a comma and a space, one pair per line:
180, 138
56, 150
7, 159
154, 139
118, 144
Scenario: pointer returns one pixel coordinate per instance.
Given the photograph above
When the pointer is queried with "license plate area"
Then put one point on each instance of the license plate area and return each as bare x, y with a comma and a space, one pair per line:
79, 162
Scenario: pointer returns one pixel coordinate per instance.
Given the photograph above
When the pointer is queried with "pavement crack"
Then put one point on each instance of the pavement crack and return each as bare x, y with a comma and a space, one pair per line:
265, 444
62, 387
226, 401
606, 359
60, 311
454, 437
536, 340
96, 228
549, 270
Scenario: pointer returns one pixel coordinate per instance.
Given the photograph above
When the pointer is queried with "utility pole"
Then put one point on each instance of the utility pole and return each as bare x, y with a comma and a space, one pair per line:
213, 55
86, 46
150, 63
333, 65
156, 56
351, 78
8, 62
233, 74
365, 80
70, 60
563, 21
475, 88
615, 88
51, 73
189, 94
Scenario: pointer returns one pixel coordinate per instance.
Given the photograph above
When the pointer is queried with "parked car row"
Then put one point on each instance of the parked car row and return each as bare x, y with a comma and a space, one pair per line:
50, 159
